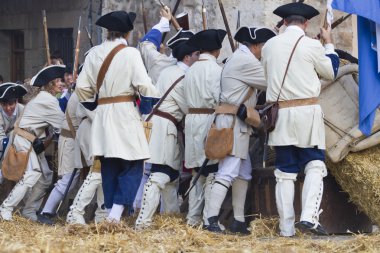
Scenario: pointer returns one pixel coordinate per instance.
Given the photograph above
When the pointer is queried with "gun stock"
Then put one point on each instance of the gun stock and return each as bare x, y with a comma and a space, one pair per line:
183, 20
77, 48
44, 21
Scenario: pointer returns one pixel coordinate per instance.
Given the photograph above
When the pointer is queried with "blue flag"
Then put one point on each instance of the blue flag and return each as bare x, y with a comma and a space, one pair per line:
368, 12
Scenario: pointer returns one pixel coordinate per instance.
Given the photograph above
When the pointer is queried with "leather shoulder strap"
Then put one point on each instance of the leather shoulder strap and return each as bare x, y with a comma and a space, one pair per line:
249, 94
163, 97
104, 68
287, 67
70, 123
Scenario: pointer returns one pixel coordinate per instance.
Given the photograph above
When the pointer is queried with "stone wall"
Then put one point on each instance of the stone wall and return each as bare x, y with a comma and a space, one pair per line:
252, 13
25, 15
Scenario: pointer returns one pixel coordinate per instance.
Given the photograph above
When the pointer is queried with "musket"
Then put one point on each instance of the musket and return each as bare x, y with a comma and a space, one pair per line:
173, 14
173, 20
281, 22
89, 36
237, 27
144, 16
226, 25
337, 23
76, 58
204, 15
67, 189
44, 21
199, 173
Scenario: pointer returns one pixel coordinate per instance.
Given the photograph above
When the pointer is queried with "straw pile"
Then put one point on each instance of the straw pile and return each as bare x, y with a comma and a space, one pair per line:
359, 175
169, 234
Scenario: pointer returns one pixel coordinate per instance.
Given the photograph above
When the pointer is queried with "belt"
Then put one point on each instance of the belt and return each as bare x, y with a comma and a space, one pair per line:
201, 110
117, 99
225, 108
298, 102
168, 116
25, 134
66, 133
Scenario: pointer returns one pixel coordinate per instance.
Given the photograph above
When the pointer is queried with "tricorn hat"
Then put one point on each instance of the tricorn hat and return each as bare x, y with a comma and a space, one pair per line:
180, 36
118, 21
47, 74
182, 49
254, 35
299, 9
9, 91
208, 40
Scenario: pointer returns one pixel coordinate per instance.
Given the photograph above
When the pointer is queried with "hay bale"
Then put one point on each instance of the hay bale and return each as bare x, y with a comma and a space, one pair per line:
359, 175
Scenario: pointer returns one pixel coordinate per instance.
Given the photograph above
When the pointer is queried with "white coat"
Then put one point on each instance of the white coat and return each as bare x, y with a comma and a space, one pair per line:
202, 90
117, 129
66, 150
83, 137
7, 123
165, 145
242, 71
154, 61
41, 112
301, 126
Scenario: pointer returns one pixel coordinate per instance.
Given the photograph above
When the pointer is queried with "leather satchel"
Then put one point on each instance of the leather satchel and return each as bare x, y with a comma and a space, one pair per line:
219, 142
15, 163
269, 113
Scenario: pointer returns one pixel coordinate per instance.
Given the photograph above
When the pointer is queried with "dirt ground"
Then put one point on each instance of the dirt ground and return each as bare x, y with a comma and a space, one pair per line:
168, 234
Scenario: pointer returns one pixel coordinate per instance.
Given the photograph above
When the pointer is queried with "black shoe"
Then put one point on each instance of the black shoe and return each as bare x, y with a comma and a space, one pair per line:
306, 226
45, 218
214, 225
238, 227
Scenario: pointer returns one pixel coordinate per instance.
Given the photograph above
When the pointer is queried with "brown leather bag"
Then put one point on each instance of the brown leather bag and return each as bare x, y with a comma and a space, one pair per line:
14, 163
219, 142
269, 113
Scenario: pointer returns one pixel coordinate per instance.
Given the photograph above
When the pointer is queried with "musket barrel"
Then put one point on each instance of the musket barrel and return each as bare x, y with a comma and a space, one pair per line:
204, 17
44, 21
226, 25
77, 49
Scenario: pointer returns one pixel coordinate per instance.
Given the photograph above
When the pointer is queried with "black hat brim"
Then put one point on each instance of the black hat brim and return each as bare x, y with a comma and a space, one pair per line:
208, 40
48, 74
10, 91
299, 9
183, 49
254, 35
118, 21
179, 37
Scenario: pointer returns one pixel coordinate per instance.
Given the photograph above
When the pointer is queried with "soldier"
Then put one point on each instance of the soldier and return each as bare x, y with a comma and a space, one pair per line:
41, 112
165, 142
117, 136
241, 75
10, 111
299, 134
66, 164
202, 90
93, 183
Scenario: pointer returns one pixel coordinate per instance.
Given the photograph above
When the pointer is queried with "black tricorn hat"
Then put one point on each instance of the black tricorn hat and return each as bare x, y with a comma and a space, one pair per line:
182, 49
299, 9
47, 74
117, 21
208, 40
254, 35
10, 91
180, 36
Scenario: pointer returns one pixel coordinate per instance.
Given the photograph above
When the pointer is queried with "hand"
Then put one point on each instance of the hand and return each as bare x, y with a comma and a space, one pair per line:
38, 146
166, 13
326, 35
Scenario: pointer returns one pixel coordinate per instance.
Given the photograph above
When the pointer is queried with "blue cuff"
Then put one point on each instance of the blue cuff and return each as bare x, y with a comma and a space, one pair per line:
63, 103
154, 36
335, 62
147, 104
